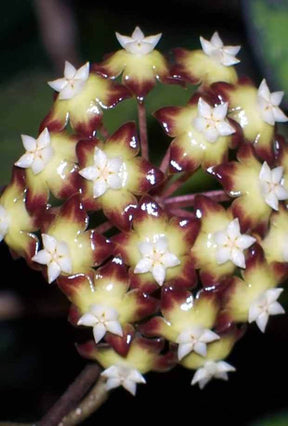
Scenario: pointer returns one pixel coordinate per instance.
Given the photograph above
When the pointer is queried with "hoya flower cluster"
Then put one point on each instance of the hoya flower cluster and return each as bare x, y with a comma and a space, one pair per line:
163, 279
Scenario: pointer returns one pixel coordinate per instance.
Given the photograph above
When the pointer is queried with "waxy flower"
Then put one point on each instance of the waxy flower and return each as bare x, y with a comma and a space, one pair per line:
50, 165
104, 302
212, 122
68, 247
256, 111
55, 254
82, 96
202, 134
138, 44
231, 244
269, 104
275, 243
272, 185
264, 306
212, 366
256, 187
216, 50
219, 246
138, 62
113, 174
127, 371
73, 81
186, 321
38, 152
157, 248
210, 370
211, 64
16, 225
253, 297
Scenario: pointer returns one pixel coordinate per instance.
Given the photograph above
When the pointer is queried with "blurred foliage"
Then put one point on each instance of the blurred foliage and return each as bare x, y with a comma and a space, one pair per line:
280, 419
267, 23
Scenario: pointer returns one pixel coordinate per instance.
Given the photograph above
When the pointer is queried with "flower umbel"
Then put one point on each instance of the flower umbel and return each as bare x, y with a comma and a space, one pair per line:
156, 275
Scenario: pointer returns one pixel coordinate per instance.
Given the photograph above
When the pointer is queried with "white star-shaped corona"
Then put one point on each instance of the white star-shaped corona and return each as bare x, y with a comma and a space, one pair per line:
38, 152
102, 319
231, 244
211, 369
264, 306
156, 258
4, 222
215, 49
138, 44
269, 104
272, 185
212, 122
195, 339
73, 81
55, 255
105, 173
123, 375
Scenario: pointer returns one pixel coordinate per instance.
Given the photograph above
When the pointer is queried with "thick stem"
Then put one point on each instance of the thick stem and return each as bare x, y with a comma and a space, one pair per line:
105, 226
143, 130
96, 397
174, 185
187, 200
71, 397
165, 161
181, 212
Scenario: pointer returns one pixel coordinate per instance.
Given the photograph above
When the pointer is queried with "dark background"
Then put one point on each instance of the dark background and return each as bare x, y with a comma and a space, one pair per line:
37, 354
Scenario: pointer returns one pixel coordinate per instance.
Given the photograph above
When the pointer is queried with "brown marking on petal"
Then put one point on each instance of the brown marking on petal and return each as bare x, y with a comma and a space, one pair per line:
121, 344
255, 257
186, 278
151, 176
146, 305
210, 281
73, 211
54, 123
87, 349
146, 285
151, 345
18, 178
247, 221
180, 161
224, 322
152, 327
36, 203
171, 296
85, 151
205, 206
140, 88
114, 269
225, 174
101, 247
122, 216
165, 362
126, 137
167, 117
70, 185
222, 90
116, 93
189, 229
179, 71
74, 315
246, 152
121, 241
280, 271
88, 129
148, 208
72, 284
